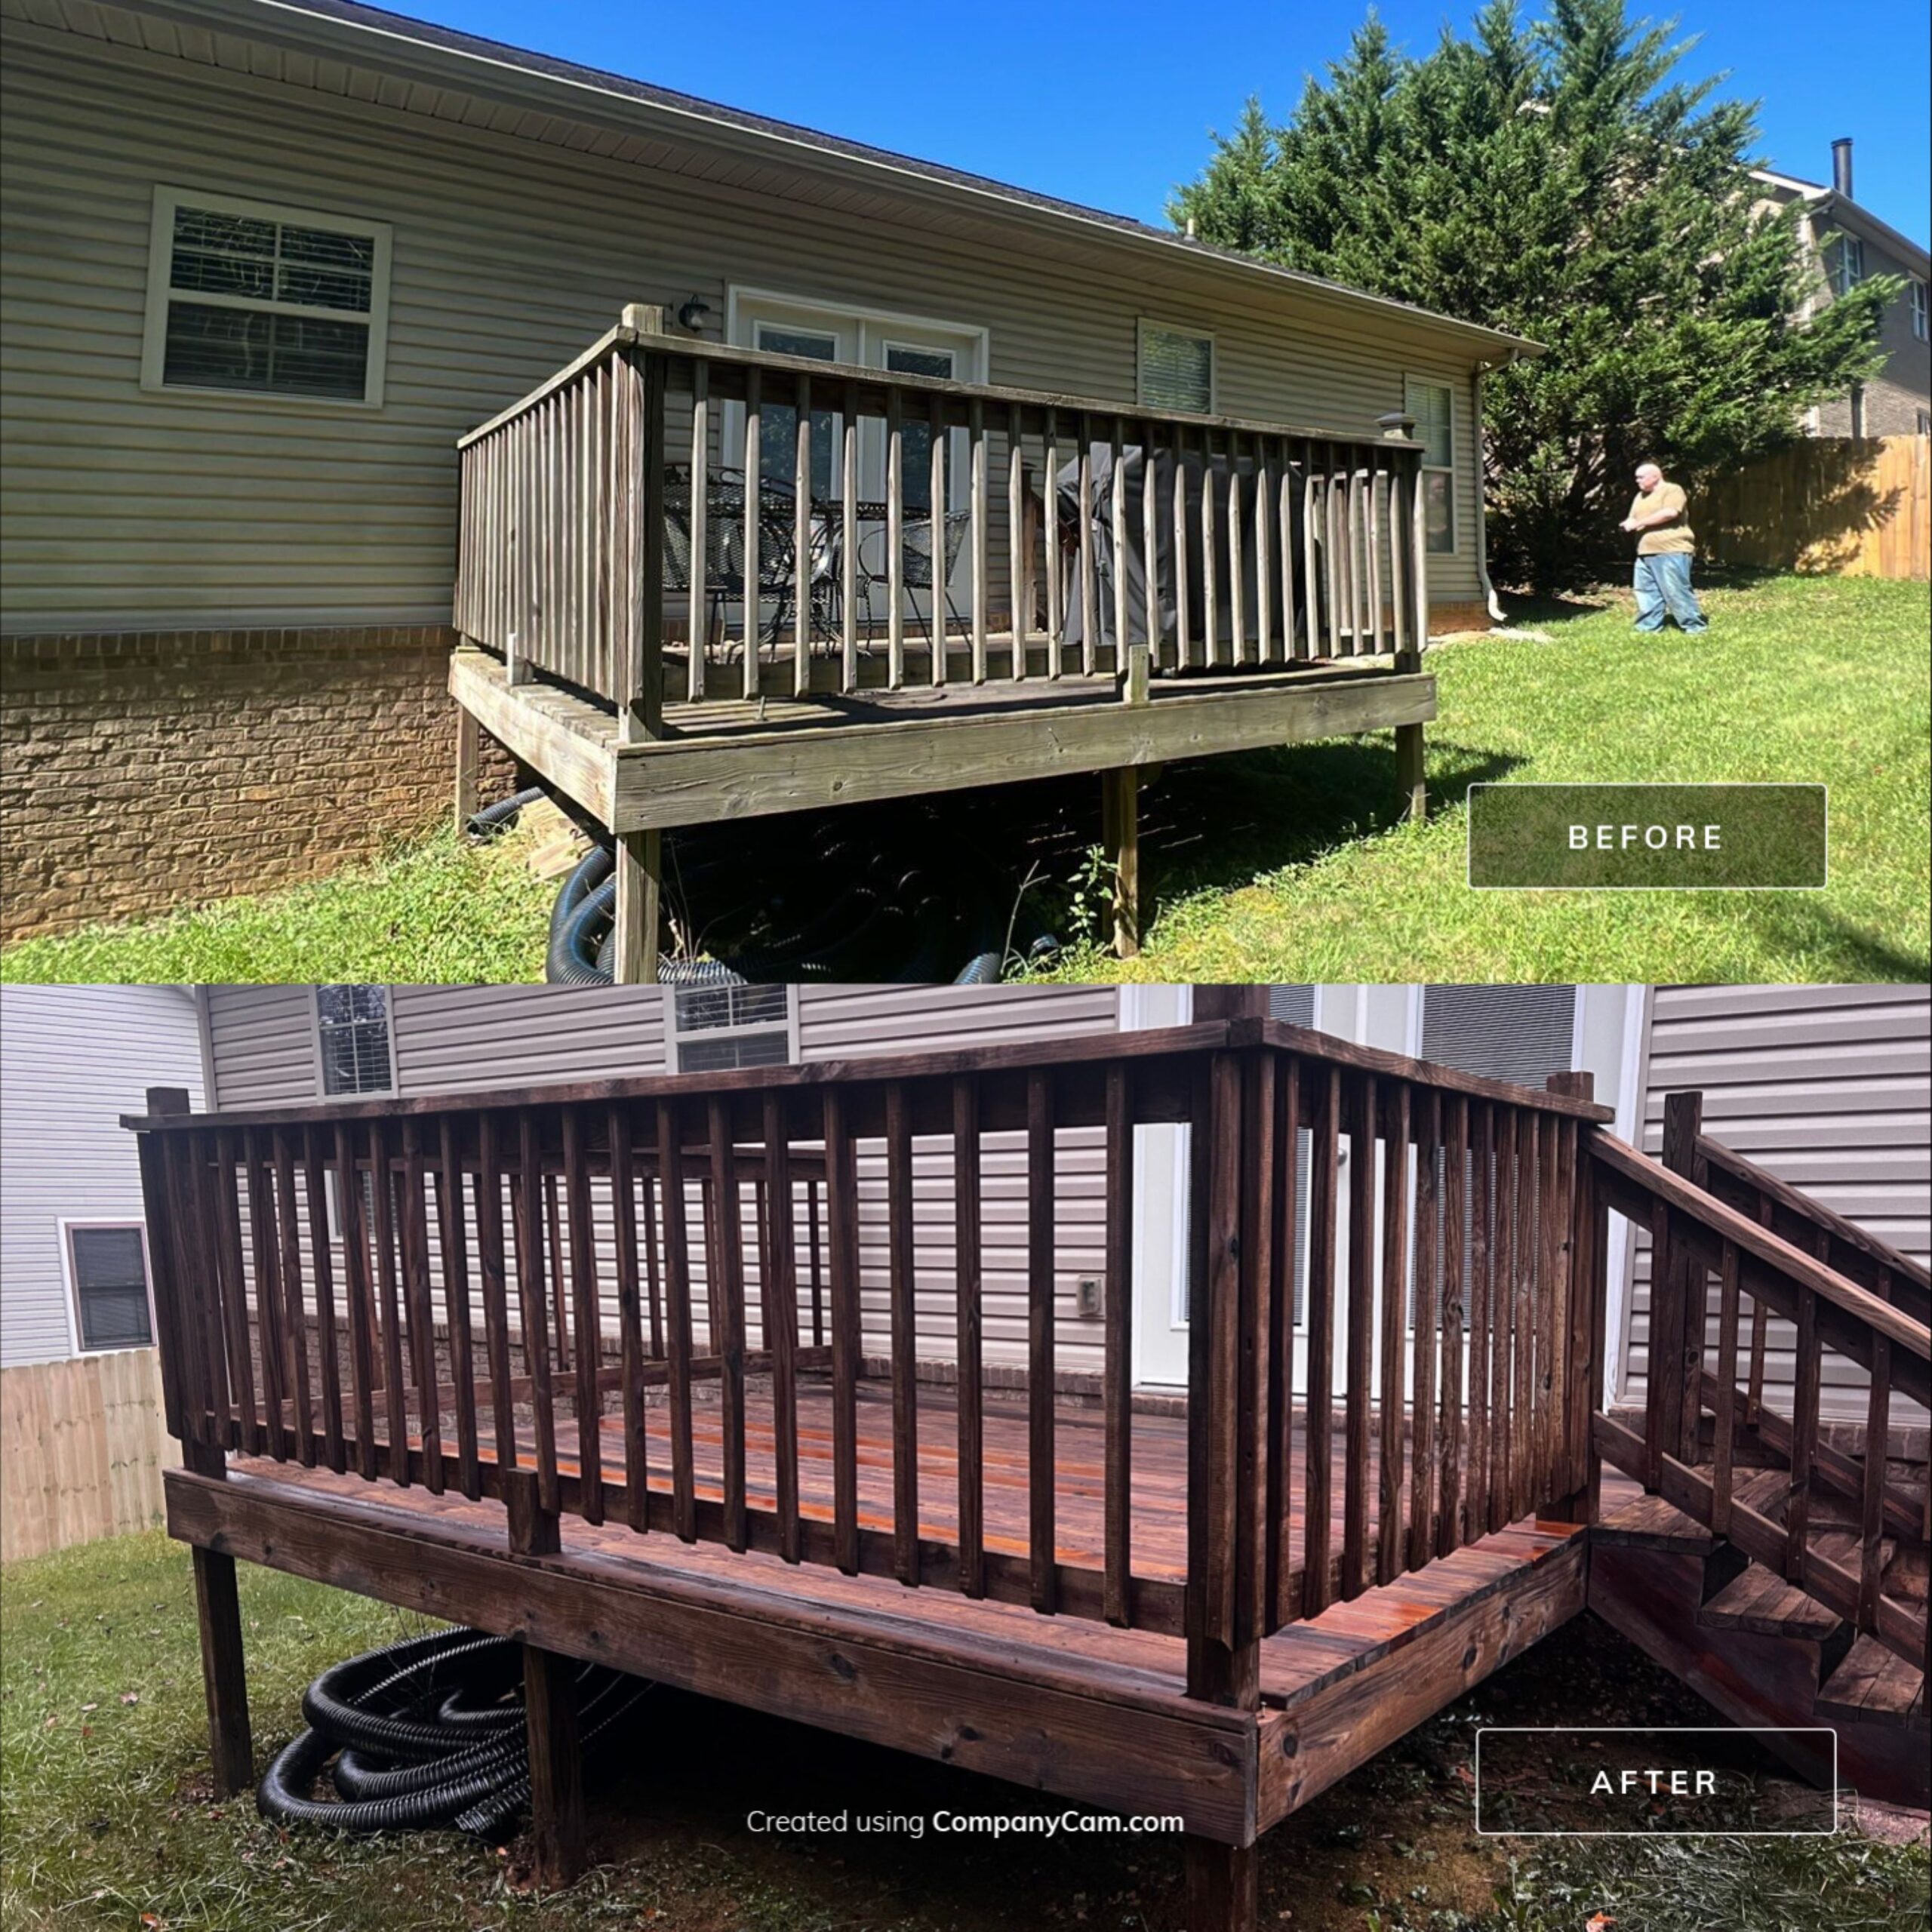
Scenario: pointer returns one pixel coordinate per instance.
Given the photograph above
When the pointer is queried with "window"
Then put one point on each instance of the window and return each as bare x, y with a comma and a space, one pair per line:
915, 436
107, 1269
1916, 291
778, 422
267, 300
1847, 263
1432, 405
352, 1040
1177, 369
715, 1027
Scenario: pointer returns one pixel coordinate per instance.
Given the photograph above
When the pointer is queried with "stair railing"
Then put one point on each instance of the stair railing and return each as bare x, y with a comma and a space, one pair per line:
1694, 1373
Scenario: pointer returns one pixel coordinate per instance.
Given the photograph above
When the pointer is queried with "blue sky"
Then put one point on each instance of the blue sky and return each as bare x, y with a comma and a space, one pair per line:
1112, 104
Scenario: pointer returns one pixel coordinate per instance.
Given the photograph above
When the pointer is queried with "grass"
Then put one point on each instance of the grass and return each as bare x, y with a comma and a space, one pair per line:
106, 1820
1287, 866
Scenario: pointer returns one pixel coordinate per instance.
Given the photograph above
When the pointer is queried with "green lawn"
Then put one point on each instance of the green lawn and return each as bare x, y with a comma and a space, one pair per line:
1286, 865
107, 1820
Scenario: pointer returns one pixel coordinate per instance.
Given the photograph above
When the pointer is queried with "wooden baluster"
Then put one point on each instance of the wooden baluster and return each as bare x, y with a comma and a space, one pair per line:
1283, 1601
936, 594
1237, 560
496, 1290
234, 1296
452, 1240
1521, 1501
848, 544
1089, 615
1117, 1346
802, 538
1505, 1316
1724, 1442
1049, 542
677, 1317
382, 1183
729, 1292
415, 1236
753, 504
1325, 1173
1552, 1229
1358, 1387
778, 1286
586, 1317
1150, 496
198, 1178
1357, 563
1040, 1359
267, 1278
975, 435
1807, 1373
630, 1315
1285, 512
295, 1318
1264, 562
1340, 563
178, 1274
967, 1290
314, 1191
1398, 569
1374, 540
842, 1219
1482, 1257
903, 1312
1117, 569
1211, 577
526, 1194
1388, 1544
1761, 1315
556, 1275
1425, 1465
1871, 1523
895, 539
697, 619
1016, 539
362, 1301
1184, 586
1455, 1159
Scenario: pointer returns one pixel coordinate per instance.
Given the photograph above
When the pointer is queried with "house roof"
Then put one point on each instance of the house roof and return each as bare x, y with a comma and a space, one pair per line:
1828, 204
394, 42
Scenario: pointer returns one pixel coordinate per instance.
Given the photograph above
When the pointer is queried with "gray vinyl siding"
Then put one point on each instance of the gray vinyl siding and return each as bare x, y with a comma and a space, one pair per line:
262, 1045
73, 1060
1830, 1088
448, 1039
125, 508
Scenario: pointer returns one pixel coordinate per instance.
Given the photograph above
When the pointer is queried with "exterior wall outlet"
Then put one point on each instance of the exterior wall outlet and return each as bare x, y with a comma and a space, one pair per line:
1087, 1294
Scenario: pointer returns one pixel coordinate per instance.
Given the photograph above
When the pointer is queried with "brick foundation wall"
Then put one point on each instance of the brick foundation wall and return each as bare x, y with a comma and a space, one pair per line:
147, 771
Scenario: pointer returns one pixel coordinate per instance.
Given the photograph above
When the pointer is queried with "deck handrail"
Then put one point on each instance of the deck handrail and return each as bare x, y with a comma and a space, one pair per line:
421, 1291
1695, 1236
1260, 544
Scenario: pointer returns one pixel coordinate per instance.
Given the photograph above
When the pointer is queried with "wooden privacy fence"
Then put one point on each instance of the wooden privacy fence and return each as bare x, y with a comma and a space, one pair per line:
1833, 505
1713, 1218
628, 502
618, 1301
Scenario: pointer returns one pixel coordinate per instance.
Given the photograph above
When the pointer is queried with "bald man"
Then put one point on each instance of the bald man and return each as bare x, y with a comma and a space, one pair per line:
1665, 546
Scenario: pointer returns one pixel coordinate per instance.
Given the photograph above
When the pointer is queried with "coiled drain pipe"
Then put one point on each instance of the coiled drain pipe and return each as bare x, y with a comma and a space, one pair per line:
424, 1733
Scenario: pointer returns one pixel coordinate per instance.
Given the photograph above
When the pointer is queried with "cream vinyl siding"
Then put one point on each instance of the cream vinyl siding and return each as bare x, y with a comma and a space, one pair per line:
1830, 1088
73, 1060
133, 508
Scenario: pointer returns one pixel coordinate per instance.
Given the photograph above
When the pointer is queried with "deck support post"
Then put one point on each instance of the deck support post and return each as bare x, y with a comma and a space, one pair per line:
640, 884
1120, 835
550, 1709
468, 765
1224, 1887
218, 1609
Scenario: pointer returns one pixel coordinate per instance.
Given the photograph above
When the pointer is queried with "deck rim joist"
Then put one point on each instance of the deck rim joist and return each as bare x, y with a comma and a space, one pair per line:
698, 780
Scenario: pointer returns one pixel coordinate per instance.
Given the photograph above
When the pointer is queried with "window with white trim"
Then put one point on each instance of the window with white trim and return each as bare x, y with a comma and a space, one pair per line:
1916, 294
265, 300
710, 1028
1177, 369
107, 1268
353, 1044
1433, 406
1847, 263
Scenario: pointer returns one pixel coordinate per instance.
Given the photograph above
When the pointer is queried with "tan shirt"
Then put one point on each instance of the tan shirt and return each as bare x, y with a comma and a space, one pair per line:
1669, 537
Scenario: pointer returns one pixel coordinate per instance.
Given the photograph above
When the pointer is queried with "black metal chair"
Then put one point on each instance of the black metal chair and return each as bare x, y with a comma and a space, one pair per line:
875, 560
724, 568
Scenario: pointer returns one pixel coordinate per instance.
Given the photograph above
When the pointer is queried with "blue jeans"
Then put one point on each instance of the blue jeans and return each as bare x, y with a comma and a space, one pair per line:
1663, 583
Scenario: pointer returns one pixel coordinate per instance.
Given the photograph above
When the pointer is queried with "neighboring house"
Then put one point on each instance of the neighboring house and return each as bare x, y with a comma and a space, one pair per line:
1847, 243
79, 1379
1828, 1088
265, 263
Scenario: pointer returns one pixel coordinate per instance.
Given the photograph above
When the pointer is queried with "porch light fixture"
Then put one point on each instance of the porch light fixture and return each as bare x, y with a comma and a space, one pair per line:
692, 315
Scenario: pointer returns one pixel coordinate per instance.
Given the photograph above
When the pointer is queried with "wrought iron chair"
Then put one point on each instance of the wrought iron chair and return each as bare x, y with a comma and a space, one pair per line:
875, 561
724, 578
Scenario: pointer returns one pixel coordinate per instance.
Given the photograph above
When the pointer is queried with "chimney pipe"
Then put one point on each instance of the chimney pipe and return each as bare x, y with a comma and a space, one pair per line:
1841, 167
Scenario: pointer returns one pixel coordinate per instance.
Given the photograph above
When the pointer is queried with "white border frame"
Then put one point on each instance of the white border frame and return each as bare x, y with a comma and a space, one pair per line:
160, 291
673, 1035
1142, 324
322, 1093
1448, 469
64, 1224
1656, 1730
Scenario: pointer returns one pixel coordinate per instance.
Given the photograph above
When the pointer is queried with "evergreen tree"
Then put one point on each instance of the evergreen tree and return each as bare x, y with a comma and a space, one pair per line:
1556, 178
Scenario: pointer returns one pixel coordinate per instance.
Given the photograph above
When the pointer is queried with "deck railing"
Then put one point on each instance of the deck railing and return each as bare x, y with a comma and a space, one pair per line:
607, 533
1707, 1380
457, 1292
